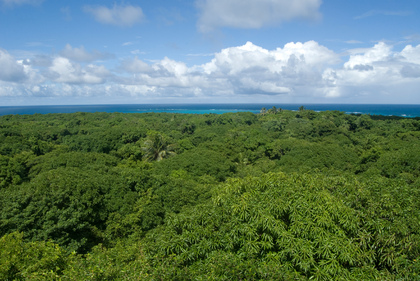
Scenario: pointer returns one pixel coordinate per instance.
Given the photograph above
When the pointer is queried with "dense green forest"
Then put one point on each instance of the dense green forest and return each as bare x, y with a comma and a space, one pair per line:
281, 195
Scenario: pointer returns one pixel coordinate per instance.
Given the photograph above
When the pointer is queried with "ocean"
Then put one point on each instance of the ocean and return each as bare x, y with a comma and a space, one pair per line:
404, 110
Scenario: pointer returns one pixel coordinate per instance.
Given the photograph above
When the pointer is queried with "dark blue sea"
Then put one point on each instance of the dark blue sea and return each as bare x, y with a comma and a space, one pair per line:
405, 110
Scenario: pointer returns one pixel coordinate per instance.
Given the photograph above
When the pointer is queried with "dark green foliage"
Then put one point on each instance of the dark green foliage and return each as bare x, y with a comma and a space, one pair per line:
157, 147
92, 161
200, 162
281, 195
14, 170
301, 155
66, 205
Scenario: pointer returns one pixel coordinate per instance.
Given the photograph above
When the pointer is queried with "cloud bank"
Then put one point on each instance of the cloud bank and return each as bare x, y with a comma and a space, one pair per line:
295, 72
253, 13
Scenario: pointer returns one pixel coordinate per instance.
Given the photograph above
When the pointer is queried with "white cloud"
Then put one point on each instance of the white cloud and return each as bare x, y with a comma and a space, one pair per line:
117, 15
411, 54
252, 69
135, 66
10, 69
164, 73
379, 52
378, 73
63, 70
81, 55
253, 13
296, 72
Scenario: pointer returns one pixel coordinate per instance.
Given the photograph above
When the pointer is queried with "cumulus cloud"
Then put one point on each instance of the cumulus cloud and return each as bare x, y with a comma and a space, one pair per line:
163, 73
10, 69
81, 55
379, 52
256, 70
411, 54
117, 15
63, 70
377, 72
308, 71
135, 66
253, 13
295, 72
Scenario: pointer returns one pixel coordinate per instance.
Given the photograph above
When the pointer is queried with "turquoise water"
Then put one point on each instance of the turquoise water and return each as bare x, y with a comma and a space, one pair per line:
405, 110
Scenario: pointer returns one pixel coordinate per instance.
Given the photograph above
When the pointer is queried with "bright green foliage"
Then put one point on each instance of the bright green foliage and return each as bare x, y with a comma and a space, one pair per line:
29, 261
122, 262
309, 226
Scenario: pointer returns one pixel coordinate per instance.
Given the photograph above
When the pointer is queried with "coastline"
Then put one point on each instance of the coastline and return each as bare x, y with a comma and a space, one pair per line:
400, 110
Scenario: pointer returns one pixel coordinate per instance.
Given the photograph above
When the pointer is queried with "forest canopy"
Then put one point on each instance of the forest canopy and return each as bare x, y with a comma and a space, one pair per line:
280, 195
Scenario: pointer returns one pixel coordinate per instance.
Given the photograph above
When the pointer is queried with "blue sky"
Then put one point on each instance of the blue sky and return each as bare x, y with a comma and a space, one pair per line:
209, 51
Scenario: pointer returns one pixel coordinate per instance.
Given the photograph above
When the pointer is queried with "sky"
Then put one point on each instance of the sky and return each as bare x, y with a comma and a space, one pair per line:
209, 51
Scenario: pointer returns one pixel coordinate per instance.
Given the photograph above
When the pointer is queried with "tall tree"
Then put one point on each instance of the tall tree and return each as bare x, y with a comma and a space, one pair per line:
156, 147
